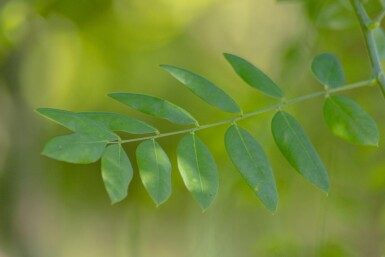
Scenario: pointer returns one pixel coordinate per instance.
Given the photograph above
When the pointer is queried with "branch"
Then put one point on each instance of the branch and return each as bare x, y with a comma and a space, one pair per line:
367, 26
381, 16
325, 93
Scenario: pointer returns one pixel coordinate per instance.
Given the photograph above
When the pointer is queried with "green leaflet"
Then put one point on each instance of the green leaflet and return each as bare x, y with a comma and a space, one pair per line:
120, 122
156, 107
198, 169
116, 172
328, 70
75, 148
379, 37
293, 143
254, 76
155, 170
203, 88
349, 121
78, 123
250, 159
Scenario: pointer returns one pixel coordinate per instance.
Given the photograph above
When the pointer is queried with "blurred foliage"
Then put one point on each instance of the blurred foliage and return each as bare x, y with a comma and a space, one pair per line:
70, 54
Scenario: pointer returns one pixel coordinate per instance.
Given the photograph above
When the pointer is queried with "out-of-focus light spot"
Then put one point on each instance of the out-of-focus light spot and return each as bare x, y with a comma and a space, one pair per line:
154, 23
13, 20
51, 65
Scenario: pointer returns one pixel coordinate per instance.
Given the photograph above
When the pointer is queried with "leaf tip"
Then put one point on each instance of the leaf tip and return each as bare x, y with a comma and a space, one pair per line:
158, 203
166, 67
42, 111
325, 188
274, 211
113, 95
114, 201
227, 55
38, 110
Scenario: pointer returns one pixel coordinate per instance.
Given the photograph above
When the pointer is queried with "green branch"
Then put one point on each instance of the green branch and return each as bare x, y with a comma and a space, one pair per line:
381, 16
257, 112
367, 26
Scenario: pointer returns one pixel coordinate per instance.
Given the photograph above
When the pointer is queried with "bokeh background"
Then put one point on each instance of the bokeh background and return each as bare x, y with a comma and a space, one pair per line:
69, 54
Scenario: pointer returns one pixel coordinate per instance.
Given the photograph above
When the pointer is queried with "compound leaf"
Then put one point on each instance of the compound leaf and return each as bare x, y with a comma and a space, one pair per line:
294, 144
78, 123
250, 159
198, 169
349, 121
328, 70
120, 122
116, 172
203, 88
75, 148
254, 76
155, 170
156, 107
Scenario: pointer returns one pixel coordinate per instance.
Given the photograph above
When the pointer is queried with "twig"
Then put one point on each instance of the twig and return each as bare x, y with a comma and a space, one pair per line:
257, 112
367, 26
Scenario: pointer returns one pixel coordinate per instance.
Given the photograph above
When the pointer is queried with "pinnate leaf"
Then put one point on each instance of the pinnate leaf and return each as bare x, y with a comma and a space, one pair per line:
116, 172
250, 159
203, 88
156, 107
78, 123
294, 144
254, 76
155, 170
198, 169
328, 70
349, 121
120, 122
75, 148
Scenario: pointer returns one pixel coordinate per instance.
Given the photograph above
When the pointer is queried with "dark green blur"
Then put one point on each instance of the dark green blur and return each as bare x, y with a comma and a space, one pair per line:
69, 54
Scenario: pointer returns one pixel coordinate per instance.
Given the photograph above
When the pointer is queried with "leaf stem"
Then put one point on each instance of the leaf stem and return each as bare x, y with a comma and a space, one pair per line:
257, 112
381, 16
367, 26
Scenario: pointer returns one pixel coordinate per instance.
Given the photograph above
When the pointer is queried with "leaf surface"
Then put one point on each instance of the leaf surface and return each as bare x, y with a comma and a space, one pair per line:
120, 122
156, 107
251, 161
294, 144
116, 172
78, 123
155, 170
203, 88
349, 121
75, 148
254, 76
328, 70
198, 169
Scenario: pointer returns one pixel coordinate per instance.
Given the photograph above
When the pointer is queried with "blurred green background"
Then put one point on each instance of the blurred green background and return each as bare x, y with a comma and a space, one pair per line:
68, 54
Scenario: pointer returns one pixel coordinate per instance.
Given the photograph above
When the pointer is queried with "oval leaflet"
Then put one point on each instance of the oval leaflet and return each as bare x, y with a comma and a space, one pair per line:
154, 170
156, 107
296, 147
254, 76
251, 161
198, 169
203, 88
347, 120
